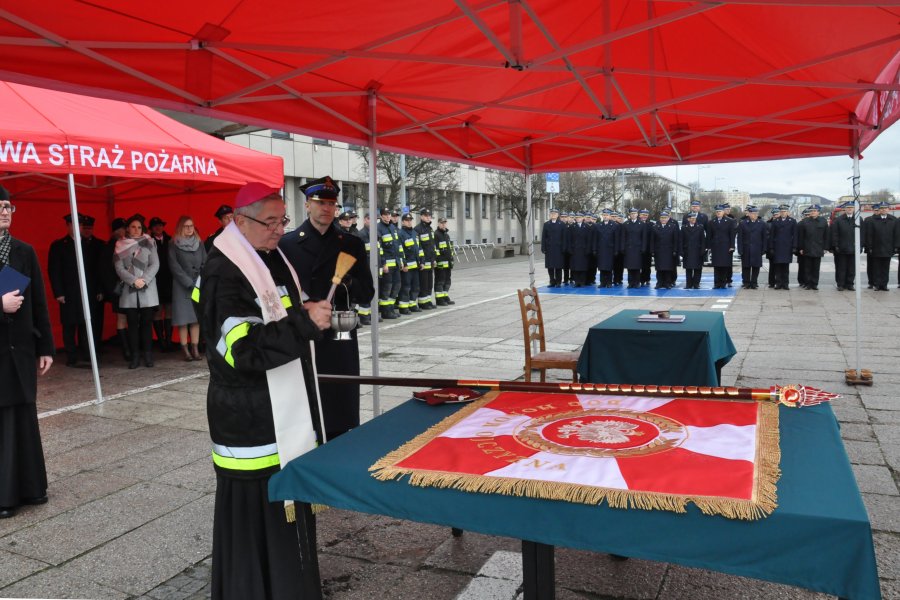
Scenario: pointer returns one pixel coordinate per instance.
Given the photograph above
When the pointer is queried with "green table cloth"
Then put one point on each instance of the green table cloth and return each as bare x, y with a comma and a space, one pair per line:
818, 538
622, 350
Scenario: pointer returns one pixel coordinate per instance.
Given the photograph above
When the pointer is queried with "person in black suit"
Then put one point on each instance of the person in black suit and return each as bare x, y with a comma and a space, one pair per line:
693, 251
27, 351
62, 270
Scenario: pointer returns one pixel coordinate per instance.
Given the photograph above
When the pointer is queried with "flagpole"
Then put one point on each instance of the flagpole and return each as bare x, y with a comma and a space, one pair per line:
788, 394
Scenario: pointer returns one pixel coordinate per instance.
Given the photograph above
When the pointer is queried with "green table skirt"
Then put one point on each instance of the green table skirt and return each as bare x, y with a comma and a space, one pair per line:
818, 538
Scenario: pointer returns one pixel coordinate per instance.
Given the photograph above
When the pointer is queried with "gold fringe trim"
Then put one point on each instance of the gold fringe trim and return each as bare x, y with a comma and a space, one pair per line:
763, 500
290, 510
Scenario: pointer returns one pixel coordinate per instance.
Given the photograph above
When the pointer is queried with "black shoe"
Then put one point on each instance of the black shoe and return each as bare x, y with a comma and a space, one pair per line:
388, 315
415, 308
8, 511
850, 288
448, 302
871, 287
812, 288
365, 319
135, 361
35, 501
404, 311
148, 359
840, 289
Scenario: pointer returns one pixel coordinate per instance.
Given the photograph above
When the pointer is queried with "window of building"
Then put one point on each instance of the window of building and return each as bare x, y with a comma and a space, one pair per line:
484, 240
512, 240
321, 142
484, 205
468, 242
468, 207
499, 209
281, 135
448, 212
356, 147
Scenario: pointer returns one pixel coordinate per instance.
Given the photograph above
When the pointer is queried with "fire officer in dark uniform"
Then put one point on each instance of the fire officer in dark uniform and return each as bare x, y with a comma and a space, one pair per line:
633, 245
783, 244
444, 249
312, 249
812, 240
693, 251
428, 259
880, 245
752, 241
224, 214
843, 243
720, 242
409, 273
553, 236
606, 247
365, 308
666, 242
389, 279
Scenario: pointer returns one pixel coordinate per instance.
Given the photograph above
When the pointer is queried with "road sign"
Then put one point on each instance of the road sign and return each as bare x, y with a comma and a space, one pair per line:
552, 183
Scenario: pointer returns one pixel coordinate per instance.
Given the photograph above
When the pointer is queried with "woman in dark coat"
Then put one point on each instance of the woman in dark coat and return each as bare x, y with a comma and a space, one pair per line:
26, 349
752, 240
186, 257
693, 249
665, 245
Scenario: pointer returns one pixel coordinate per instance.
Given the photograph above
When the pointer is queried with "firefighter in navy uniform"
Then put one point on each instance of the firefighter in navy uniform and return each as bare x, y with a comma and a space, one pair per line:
880, 245
647, 256
409, 273
693, 250
783, 244
605, 245
843, 242
665, 245
224, 214
553, 235
633, 244
720, 242
444, 248
428, 259
365, 308
312, 249
812, 241
389, 279
752, 241
255, 552
773, 214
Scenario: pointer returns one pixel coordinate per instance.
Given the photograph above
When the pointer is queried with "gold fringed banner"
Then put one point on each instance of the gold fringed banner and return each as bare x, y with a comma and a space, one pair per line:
726, 454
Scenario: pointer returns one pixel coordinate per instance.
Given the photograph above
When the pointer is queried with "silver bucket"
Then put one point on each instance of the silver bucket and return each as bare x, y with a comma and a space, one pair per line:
342, 323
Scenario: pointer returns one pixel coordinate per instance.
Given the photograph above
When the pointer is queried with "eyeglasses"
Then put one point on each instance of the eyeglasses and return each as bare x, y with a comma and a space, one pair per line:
7, 208
271, 226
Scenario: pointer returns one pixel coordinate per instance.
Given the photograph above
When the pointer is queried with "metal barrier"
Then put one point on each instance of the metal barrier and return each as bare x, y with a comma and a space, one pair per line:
477, 250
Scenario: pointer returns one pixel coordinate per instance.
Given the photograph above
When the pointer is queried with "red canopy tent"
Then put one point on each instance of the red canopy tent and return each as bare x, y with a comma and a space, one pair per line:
124, 158
526, 85
539, 85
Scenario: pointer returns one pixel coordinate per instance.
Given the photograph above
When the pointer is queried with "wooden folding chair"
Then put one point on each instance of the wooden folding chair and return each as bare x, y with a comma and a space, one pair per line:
533, 329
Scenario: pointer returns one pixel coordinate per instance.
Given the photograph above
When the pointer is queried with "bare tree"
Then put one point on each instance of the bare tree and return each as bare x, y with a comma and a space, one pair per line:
509, 190
651, 193
578, 191
882, 195
427, 179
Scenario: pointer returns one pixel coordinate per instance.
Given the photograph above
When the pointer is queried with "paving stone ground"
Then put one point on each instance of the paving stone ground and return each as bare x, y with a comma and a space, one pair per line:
131, 481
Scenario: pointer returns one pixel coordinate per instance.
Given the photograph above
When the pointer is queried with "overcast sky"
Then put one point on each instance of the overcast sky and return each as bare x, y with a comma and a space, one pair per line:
828, 177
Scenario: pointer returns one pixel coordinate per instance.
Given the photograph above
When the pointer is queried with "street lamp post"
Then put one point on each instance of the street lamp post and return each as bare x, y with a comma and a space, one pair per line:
699, 186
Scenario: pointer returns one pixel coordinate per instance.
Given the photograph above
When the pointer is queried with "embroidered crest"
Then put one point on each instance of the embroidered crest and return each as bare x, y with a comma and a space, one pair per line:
272, 304
606, 432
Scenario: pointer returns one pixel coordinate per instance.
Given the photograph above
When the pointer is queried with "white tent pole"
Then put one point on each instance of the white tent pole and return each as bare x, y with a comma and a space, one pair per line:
82, 282
529, 223
373, 247
857, 210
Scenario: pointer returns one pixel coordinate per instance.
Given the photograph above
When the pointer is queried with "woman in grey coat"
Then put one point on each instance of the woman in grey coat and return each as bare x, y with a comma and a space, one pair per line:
186, 258
136, 265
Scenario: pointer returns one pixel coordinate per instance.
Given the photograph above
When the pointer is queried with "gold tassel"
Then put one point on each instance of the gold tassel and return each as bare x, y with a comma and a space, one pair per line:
290, 512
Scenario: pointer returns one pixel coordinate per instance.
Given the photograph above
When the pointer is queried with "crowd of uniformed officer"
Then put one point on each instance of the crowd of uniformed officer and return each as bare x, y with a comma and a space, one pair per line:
577, 245
414, 262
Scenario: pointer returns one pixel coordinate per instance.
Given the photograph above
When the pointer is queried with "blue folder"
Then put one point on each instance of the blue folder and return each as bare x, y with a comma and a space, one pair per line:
11, 280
